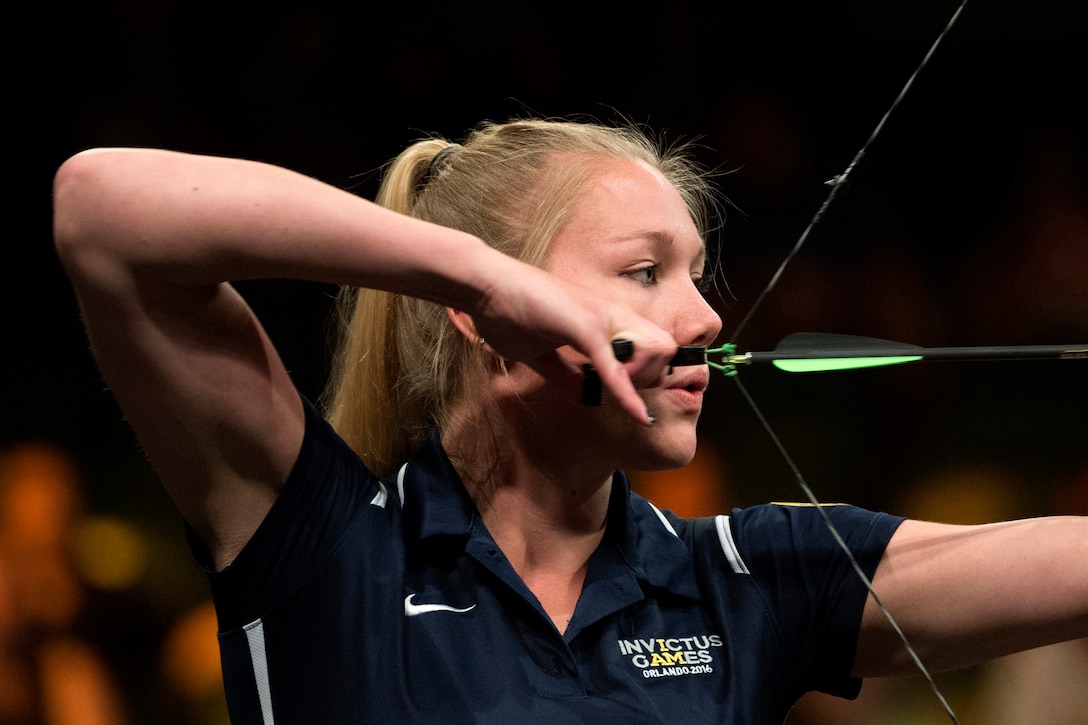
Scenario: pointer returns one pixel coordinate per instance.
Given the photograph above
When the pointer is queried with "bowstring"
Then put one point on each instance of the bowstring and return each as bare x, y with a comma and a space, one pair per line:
836, 183
811, 496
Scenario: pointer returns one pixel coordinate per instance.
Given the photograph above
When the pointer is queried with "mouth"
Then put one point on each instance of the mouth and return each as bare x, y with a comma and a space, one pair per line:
694, 381
686, 391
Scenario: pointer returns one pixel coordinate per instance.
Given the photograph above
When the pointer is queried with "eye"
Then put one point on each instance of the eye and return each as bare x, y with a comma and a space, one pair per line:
644, 275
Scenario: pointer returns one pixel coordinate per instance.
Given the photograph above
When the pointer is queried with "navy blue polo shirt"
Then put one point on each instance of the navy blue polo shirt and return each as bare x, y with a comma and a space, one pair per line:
359, 600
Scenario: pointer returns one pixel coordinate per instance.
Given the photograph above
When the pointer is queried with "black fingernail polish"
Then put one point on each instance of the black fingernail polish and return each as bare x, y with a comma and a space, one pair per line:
623, 349
651, 416
689, 355
592, 391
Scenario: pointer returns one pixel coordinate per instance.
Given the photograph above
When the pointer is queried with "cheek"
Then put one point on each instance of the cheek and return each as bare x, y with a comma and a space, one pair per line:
554, 380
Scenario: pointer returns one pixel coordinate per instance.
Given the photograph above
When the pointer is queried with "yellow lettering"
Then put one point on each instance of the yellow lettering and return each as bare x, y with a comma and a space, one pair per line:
665, 659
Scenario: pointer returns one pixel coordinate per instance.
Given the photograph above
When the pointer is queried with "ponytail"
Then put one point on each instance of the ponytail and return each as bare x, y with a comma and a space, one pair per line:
361, 401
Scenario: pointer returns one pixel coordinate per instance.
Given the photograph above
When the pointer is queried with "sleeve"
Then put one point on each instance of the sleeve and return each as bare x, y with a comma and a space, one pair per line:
811, 586
321, 498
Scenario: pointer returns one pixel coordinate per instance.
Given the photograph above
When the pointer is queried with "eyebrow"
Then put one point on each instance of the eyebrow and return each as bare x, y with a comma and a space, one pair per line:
668, 240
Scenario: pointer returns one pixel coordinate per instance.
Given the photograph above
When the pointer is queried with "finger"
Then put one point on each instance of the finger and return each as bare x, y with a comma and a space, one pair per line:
616, 375
592, 388
685, 355
649, 362
688, 355
623, 349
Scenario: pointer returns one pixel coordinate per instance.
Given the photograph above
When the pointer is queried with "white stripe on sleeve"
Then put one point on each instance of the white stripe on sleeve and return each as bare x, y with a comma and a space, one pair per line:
729, 547
258, 655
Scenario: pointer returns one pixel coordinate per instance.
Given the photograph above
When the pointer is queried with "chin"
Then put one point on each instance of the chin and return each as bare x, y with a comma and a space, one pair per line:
659, 449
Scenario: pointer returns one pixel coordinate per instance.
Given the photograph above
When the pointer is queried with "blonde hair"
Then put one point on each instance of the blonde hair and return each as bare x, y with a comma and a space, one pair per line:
401, 366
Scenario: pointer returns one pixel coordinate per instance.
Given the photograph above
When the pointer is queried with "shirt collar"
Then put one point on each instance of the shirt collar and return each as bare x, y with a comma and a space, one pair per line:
648, 542
437, 507
434, 501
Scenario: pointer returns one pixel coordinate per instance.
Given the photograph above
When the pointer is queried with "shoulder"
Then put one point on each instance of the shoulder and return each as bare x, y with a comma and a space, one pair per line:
768, 535
801, 526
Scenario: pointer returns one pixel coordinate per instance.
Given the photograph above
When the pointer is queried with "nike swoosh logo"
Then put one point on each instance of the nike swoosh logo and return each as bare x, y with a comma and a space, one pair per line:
411, 609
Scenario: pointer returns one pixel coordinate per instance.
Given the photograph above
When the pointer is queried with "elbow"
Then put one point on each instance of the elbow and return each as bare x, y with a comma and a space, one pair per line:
72, 186
81, 210
70, 191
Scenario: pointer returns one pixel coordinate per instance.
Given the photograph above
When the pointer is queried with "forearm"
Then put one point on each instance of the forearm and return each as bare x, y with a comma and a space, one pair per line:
194, 221
965, 594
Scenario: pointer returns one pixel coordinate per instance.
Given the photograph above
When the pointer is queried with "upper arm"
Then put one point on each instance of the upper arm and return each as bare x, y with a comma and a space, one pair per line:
194, 372
965, 594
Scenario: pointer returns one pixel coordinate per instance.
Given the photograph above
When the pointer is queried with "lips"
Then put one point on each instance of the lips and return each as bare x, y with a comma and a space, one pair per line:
694, 380
686, 390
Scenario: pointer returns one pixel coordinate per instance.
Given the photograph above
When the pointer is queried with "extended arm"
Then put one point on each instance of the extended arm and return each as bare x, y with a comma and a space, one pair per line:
966, 594
151, 239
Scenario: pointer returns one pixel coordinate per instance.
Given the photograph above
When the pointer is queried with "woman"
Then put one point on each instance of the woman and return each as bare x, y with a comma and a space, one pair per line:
468, 550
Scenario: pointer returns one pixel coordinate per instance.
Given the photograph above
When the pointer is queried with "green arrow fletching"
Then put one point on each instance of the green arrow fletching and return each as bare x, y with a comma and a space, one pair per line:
807, 352
840, 363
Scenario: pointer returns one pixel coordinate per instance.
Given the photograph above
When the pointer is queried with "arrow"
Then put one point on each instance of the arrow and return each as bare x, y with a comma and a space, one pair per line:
804, 352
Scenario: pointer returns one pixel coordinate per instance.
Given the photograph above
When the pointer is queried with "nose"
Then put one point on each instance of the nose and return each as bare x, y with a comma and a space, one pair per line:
696, 322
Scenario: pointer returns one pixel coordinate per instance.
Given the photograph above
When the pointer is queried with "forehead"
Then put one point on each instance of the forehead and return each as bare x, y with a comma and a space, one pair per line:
627, 201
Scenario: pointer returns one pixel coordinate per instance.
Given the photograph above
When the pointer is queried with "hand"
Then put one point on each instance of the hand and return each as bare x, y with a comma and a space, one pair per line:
529, 313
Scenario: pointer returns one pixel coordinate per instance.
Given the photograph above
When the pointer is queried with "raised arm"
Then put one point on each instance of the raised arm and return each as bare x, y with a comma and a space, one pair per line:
151, 240
966, 594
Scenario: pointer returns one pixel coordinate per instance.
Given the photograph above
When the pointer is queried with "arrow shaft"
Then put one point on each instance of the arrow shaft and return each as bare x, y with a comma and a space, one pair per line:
1002, 352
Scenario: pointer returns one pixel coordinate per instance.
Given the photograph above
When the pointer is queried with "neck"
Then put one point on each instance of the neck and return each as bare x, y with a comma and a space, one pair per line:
545, 508
526, 490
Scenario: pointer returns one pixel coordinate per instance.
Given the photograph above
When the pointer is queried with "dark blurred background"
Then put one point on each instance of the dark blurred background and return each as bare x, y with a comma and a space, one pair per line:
967, 223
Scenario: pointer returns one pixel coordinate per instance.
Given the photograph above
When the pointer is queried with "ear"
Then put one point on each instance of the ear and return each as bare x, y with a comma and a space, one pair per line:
463, 322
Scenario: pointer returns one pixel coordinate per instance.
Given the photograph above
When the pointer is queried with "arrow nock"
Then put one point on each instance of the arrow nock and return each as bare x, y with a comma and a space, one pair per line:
729, 360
